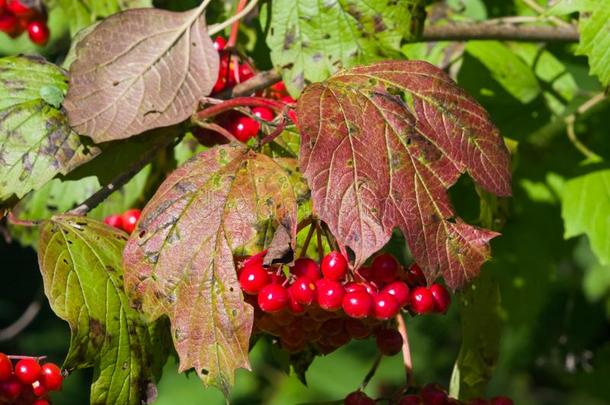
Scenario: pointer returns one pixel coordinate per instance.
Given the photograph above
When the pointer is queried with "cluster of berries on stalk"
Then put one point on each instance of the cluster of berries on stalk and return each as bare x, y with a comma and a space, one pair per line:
18, 16
126, 221
325, 306
242, 126
27, 382
429, 394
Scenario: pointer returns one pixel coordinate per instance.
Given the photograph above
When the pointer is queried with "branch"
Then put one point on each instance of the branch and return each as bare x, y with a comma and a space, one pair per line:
258, 82
571, 132
99, 196
507, 32
24, 320
406, 350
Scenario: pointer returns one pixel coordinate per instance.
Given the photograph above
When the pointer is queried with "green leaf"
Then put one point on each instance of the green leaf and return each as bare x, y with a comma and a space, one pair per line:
80, 261
310, 40
506, 68
36, 142
82, 13
586, 210
594, 28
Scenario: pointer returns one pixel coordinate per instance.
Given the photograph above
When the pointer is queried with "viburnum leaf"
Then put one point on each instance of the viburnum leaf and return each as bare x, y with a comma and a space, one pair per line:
82, 13
594, 29
154, 67
381, 144
179, 261
310, 39
36, 142
80, 261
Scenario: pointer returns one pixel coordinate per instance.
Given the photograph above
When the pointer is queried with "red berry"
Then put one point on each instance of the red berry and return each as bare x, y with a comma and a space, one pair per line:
245, 72
242, 127
114, 220
415, 276
421, 300
130, 219
41, 401
273, 298
357, 304
38, 32
441, 297
389, 341
501, 401
330, 294
288, 100
358, 398
295, 306
279, 87
353, 287
220, 43
275, 278
263, 113
303, 290
11, 389
411, 400
253, 278
27, 370
357, 329
385, 268
19, 9
39, 389
6, 367
433, 394
8, 24
334, 266
306, 267
386, 306
400, 291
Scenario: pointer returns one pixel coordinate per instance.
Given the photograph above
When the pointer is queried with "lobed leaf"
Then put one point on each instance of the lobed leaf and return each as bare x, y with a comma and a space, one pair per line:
594, 29
380, 146
36, 142
82, 13
80, 261
138, 70
179, 261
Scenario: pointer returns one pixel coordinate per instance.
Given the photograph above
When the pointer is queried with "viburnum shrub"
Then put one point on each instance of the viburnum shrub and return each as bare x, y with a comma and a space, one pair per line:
189, 197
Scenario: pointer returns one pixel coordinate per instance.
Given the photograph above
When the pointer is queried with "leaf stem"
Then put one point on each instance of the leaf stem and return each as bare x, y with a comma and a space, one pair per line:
235, 27
24, 320
227, 105
571, 132
276, 132
406, 350
304, 223
215, 28
217, 128
330, 237
369, 376
21, 222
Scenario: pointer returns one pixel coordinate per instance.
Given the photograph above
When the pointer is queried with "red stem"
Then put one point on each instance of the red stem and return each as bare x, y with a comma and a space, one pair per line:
235, 27
21, 222
214, 110
276, 132
217, 128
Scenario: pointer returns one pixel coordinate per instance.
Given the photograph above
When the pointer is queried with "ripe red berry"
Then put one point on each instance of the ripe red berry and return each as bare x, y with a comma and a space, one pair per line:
51, 376
279, 87
288, 100
421, 300
263, 113
385, 306
220, 43
358, 398
501, 401
245, 72
441, 297
306, 267
6, 367
19, 9
400, 291
273, 298
11, 389
330, 294
38, 32
41, 401
277, 278
8, 23
385, 268
433, 394
415, 276
411, 400
353, 287
130, 219
253, 278
334, 266
293, 305
39, 389
357, 304
389, 341
27, 370
114, 220
303, 290
242, 127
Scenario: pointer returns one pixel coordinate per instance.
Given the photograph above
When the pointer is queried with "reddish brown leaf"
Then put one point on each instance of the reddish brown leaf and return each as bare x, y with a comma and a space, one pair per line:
381, 144
179, 261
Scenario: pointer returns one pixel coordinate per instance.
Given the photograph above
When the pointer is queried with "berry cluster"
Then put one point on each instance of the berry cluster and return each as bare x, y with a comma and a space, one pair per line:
126, 221
16, 16
29, 382
326, 306
429, 394
242, 126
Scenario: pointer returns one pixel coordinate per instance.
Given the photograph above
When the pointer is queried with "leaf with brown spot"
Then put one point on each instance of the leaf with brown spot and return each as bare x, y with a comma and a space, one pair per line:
80, 261
179, 260
154, 67
381, 144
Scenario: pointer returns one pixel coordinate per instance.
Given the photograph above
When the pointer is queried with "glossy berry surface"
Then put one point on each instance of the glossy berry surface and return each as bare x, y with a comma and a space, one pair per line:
273, 298
27, 370
433, 394
253, 278
114, 220
334, 266
385, 268
6, 367
501, 401
415, 276
358, 398
130, 219
41, 401
411, 400
400, 291
243, 127
38, 32
385, 306
389, 341
39, 389
11, 389
303, 290
357, 304
421, 301
8, 24
263, 113
220, 43
306, 267
18, 8
442, 298
330, 294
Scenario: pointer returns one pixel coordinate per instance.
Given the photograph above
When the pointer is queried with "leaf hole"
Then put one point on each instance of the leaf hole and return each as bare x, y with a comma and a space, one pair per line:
142, 233
205, 371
